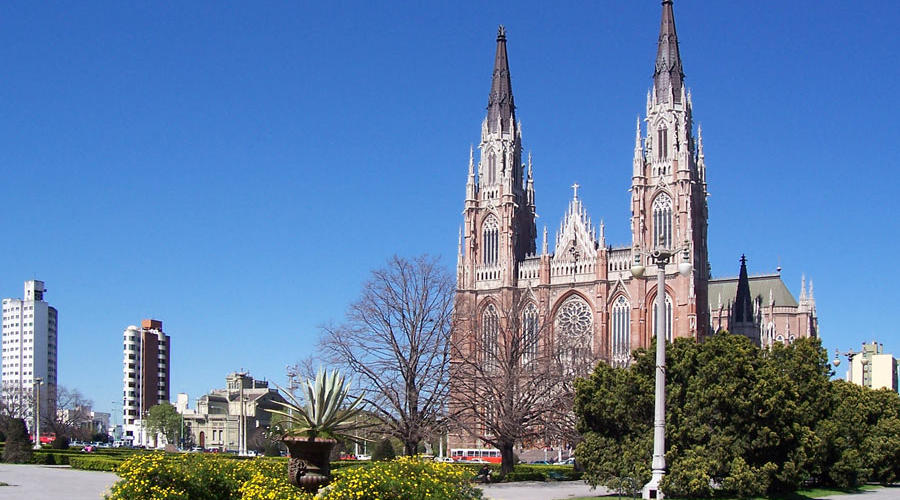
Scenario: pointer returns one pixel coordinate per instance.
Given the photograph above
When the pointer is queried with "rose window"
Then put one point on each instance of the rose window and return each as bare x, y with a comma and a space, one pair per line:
574, 321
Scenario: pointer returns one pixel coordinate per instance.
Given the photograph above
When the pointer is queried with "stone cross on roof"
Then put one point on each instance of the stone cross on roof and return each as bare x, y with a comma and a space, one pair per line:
575, 189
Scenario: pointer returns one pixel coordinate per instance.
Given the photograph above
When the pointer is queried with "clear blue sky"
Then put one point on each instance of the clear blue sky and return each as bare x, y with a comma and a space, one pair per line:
236, 169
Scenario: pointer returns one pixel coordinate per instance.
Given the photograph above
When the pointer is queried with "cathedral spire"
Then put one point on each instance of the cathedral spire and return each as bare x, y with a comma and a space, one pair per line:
668, 77
743, 302
501, 108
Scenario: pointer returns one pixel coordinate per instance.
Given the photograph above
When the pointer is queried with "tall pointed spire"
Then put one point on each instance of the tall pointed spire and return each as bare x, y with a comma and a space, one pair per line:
501, 108
668, 76
743, 302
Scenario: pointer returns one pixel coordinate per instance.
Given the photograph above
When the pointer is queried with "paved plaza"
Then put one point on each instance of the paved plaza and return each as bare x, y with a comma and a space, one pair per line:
43, 482
49, 482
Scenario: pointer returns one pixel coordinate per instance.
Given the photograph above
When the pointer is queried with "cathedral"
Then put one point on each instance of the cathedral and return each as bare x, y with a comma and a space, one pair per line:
576, 284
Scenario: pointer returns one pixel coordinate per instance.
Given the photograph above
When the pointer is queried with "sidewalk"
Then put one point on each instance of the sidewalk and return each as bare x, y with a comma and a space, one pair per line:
537, 490
49, 482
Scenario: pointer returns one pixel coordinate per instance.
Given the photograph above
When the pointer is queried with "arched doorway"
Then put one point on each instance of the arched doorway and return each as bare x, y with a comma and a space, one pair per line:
202, 440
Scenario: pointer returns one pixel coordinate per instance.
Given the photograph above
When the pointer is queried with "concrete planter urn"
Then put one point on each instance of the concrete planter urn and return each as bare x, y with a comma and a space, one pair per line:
309, 466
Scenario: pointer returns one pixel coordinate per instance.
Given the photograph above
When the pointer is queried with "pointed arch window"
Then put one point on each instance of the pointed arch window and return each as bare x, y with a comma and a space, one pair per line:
490, 328
492, 168
662, 143
529, 334
621, 332
662, 221
668, 317
491, 241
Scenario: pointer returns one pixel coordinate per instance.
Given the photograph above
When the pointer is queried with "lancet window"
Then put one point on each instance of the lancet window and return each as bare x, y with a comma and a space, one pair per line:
491, 238
490, 328
668, 317
621, 332
529, 334
662, 221
662, 143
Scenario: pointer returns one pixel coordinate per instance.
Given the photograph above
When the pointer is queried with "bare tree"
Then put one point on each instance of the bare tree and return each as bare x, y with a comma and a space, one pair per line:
16, 401
395, 341
72, 415
506, 381
572, 358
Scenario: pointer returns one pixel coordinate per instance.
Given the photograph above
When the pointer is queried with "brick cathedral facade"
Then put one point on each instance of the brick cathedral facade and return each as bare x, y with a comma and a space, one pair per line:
576, 284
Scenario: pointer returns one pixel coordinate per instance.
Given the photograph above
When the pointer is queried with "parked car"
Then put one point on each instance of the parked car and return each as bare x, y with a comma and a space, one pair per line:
539, 462
364, 457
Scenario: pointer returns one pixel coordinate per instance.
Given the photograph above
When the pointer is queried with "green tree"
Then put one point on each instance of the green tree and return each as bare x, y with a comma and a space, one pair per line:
741, 421
384, 450
18, 447
164, 419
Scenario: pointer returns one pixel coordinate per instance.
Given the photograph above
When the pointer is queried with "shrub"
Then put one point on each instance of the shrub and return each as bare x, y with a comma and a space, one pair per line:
401, 479
384, 450
60, 443
18, 447
524, 476
94, 463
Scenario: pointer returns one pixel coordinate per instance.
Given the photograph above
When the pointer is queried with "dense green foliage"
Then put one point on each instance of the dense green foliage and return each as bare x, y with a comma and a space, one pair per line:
165, 419
384, 450
17, 449
741, 421
204, 476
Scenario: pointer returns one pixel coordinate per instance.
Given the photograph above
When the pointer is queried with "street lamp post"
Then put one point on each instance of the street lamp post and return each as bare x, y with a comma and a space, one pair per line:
850, 354
38, 382
660, 256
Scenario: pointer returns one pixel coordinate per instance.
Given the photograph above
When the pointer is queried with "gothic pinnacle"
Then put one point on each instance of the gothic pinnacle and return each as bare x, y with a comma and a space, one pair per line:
668, 76
501, 108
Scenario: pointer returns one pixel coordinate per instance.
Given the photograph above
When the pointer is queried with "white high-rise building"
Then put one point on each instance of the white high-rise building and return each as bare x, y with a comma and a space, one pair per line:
29, 352
145, 364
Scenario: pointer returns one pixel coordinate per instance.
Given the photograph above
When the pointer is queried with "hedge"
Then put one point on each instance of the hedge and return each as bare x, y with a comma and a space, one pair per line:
95, 463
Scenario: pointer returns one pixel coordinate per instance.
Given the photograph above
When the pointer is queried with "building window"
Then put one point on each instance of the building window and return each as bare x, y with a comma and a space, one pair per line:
490, 328
574, 330
529, 334
668, 317
492, 168
662, 142
491, 237
621, 332
662, 221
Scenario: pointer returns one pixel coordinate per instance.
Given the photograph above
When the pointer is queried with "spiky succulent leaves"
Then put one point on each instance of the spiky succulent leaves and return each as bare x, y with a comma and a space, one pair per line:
323, 413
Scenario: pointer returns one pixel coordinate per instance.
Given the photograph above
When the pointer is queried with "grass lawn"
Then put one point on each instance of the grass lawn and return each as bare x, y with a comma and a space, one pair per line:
797, 495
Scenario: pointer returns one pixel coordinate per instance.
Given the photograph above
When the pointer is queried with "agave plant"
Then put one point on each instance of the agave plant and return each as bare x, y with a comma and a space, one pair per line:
325, 413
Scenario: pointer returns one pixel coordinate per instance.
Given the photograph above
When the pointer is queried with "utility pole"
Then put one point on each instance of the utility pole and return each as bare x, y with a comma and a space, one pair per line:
38, 381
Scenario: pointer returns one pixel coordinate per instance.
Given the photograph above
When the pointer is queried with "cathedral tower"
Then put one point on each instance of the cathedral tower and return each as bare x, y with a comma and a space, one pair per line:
668, 187
499, 212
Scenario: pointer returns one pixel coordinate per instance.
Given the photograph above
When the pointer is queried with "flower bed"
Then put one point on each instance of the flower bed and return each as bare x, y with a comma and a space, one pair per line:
159, 476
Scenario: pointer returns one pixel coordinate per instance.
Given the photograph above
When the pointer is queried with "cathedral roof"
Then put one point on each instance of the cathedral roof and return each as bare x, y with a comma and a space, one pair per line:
760, 287
668, 73
500, 102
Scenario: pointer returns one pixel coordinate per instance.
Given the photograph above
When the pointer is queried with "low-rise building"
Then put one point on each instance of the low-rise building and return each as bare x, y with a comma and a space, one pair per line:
217, 423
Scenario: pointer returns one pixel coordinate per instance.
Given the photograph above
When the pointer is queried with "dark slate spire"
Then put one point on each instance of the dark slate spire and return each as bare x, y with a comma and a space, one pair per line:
500, 102
743, 302
668, 73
